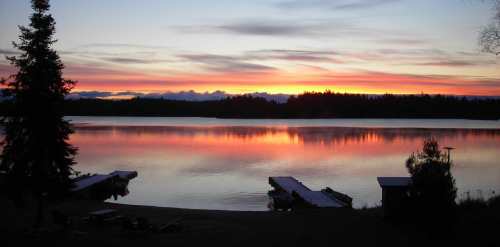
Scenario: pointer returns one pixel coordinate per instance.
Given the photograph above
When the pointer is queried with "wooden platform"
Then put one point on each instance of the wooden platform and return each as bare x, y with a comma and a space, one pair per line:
95, 180
91, 181
295, 188
125, 174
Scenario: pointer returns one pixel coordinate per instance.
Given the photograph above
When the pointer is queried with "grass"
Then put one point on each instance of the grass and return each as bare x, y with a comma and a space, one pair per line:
479, 203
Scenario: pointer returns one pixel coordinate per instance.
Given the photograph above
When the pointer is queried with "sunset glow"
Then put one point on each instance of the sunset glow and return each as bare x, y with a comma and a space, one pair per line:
249, 122
273, 46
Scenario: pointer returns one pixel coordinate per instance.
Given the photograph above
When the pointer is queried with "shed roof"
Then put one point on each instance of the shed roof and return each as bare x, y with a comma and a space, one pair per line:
394, 181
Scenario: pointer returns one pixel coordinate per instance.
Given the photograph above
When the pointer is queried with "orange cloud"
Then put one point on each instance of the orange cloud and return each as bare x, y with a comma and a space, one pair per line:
287, 82
306, 78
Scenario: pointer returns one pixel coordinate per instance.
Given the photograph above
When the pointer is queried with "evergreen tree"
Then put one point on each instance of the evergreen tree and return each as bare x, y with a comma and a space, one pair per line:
37, 157
433, 190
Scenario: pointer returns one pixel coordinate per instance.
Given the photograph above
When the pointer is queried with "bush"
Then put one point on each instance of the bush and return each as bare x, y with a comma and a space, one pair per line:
474, 204
433, 190
494, 202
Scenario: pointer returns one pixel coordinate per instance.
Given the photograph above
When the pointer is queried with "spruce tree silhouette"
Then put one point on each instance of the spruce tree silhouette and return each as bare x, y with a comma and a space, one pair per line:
433, 190
37, 157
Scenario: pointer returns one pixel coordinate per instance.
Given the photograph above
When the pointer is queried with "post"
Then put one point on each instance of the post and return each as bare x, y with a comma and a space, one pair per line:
449, 153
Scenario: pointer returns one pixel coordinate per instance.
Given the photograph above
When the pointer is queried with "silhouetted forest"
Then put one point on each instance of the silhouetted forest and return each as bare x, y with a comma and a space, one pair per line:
307, 105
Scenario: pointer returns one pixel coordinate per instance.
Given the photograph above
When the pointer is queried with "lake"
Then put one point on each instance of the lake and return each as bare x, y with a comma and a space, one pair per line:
225, 164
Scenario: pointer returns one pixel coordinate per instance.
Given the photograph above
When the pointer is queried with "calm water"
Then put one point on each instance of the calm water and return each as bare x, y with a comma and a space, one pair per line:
224, 164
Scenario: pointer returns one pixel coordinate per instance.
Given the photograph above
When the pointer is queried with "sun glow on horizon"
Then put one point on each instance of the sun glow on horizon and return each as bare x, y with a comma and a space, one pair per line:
246, 49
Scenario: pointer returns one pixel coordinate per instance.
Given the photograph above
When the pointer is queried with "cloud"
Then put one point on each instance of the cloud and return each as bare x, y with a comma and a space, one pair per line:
412, 52
226, 64
309, 29
269, 70
122, 45
248, 72
89, 95
417, 57
361, 4
333, 4
316, 29
451, 63
95, 70
6, 70
250, 61
295, 55
126, 60
277, 28
119, 53
402, 41
270, 29
9, 52
492, 83
413, 82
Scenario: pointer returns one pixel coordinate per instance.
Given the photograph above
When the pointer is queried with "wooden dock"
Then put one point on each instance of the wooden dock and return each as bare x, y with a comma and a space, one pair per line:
91, 181
101, 187
98, 179
297, 190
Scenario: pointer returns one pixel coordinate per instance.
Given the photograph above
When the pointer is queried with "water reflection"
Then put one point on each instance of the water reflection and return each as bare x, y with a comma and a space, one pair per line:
227, 167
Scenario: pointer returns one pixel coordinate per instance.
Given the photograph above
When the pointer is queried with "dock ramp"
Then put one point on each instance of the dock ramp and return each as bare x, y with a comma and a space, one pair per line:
295, 188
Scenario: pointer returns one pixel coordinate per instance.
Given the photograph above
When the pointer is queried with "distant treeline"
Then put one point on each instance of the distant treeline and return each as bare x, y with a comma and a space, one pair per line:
307, 105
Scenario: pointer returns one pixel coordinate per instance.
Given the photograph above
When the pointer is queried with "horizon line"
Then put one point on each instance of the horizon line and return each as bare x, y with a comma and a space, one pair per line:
192, 95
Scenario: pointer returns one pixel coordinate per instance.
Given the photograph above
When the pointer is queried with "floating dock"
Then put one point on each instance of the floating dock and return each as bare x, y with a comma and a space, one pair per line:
101, 186
91, 181
129, 175
291, 188
94, 180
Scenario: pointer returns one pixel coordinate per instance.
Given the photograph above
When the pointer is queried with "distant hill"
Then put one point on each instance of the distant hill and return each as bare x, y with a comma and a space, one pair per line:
207, 96
183, 95
211, 96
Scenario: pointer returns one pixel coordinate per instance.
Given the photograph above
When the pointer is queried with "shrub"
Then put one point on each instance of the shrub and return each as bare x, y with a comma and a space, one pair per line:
433, 190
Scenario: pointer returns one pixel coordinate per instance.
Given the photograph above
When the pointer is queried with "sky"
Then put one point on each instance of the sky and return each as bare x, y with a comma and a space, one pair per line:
270, 46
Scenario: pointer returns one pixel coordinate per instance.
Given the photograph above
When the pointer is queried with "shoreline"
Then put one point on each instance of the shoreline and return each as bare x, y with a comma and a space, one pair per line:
306, 227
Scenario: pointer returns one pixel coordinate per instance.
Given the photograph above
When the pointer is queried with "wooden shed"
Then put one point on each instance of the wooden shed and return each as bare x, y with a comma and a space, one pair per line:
394, 195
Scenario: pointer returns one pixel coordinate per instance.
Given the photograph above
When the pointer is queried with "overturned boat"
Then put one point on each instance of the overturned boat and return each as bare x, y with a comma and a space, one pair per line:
289, 193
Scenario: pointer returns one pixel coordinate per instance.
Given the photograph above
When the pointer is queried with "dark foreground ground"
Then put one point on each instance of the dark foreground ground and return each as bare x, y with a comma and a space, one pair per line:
313, 227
